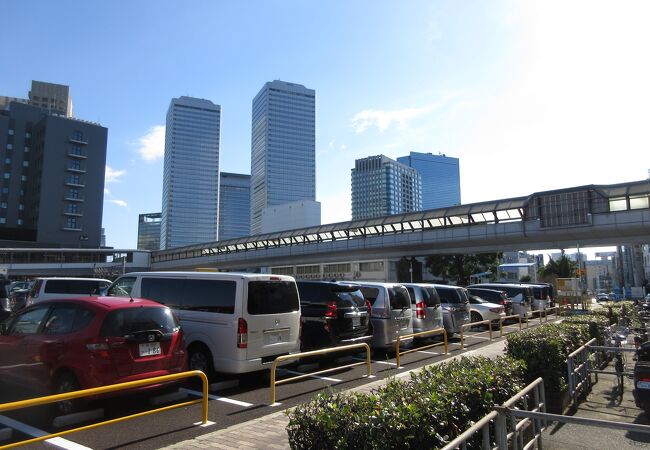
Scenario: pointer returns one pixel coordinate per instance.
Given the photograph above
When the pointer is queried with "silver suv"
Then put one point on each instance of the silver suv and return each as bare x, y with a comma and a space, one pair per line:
425, 303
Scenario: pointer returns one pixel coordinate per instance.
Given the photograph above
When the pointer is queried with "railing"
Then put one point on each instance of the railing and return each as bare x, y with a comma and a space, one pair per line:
503, 319
578, 370
473, 324
434, 332
324, 351
499, 422
541, 312
107, 389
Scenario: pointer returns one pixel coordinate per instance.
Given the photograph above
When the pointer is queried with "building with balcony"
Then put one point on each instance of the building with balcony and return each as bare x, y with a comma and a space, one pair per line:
52, 186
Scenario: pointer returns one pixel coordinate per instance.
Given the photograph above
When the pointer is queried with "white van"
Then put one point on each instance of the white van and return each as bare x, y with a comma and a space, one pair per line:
65, 287
232, 322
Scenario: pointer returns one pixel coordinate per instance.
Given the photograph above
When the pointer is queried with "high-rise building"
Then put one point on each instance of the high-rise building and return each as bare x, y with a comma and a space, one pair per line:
149, 231
190, 212
382, 186
440, 178
234, 205
52, 187
283, 147
289, 216
50, 97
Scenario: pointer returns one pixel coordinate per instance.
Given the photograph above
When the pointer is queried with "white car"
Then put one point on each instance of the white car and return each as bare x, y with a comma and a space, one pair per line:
483, 310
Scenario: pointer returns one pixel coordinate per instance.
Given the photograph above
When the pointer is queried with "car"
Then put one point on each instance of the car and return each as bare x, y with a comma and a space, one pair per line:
520, 295
65, 287
493, 296
455, 307
481, 310
425, 303
332, 314
233, 322
602, 297
390, 314
63, 345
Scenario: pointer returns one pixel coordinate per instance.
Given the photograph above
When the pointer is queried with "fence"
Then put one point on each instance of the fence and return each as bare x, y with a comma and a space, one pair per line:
434, 332
324, 351
473, 324
107, 389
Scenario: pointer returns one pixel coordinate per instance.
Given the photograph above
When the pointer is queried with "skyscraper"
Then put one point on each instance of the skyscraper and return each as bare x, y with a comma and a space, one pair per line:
52, 188
382, 186
234, 205
149, 231
191, 174
50, 97
283, 147
440, 178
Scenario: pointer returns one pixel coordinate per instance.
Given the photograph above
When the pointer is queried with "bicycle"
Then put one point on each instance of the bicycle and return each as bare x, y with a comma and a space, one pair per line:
619, 336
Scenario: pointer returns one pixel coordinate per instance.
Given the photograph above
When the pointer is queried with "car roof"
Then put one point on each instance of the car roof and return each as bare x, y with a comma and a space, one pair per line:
73, 278
209, 274
105, 303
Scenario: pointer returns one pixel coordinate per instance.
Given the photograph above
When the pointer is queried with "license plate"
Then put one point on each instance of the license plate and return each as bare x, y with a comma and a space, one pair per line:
150, 348
356, 321
275, 337
643, 384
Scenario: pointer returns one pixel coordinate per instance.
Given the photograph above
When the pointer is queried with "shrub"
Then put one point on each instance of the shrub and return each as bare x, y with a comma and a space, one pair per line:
436, 405
544, 351
597, 324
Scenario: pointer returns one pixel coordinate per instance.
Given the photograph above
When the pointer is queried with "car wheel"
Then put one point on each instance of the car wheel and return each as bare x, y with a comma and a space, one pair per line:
475, 317
200, 358
66, 382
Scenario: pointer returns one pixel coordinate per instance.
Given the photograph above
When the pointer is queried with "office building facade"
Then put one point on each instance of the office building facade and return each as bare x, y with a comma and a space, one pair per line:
440, 178
190, 202
382, 186
234, 205
289, 216
149, 231
52, 187
283, 147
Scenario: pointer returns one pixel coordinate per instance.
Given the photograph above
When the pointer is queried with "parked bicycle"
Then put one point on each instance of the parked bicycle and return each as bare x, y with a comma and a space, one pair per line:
618, 336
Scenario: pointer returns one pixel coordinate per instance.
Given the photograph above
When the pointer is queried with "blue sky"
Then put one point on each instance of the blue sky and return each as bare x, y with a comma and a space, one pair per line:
529, 95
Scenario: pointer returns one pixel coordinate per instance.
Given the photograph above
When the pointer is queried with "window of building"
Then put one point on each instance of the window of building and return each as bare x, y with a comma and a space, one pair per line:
3, 205
10, 146
28, 135
19, 221
25, 163
5, 190
7, 175
11, 132
73, 193
71, 222
7, 160
75, 164
3, 220
72, 208
74, 179
21, 207
23, 178
26, 149
77, 135
76, 150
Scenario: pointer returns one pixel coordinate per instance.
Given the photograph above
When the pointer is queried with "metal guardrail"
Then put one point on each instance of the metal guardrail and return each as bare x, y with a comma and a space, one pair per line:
498, 421
434, 332
324, 351
473, 324
503, 319
578, 370
107, 389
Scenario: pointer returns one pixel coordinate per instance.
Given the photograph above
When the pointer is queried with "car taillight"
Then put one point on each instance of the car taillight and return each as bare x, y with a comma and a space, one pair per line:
369, 306
331, 309
242, 333
420, 311
99, 349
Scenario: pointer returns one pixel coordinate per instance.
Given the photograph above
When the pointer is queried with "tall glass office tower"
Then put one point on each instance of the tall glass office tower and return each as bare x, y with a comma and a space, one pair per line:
440, 178
191, 175
234, 205
382, 186
283, 147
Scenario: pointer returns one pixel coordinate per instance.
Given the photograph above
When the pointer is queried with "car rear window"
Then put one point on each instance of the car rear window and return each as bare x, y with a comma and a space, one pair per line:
80, 287
353, 297
272, 297
399, 297
216, 296
370, 294
451, 295
431, 297
122, 322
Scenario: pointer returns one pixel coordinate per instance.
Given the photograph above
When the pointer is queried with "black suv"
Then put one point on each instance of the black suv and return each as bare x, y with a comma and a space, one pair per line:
493, 296
333, 313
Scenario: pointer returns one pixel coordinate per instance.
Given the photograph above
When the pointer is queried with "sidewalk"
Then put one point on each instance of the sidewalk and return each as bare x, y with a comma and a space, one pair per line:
270, 431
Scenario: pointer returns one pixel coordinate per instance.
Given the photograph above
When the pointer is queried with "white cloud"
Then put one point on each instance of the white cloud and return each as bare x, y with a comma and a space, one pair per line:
120, 203
331, 144
112, 175
384, 119
344, 147
151, 146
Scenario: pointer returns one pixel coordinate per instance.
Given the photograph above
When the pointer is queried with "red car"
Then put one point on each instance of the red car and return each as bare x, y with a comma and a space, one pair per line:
62, 345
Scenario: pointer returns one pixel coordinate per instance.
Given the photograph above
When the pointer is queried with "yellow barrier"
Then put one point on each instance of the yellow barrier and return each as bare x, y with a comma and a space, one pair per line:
542, 314
316, 353
433, 332
103, 390
514, 316
473, 324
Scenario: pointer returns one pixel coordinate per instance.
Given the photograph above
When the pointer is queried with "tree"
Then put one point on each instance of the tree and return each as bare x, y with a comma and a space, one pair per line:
525, 279
562, 268
404, 267
459, 267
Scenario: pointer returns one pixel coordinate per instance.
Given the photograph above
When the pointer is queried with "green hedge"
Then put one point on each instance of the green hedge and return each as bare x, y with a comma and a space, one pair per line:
435, 406
544, 351
597, 324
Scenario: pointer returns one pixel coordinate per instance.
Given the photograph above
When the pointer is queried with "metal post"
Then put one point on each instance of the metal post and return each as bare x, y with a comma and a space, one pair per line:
569, 366
490, 329
462, 339
501, 431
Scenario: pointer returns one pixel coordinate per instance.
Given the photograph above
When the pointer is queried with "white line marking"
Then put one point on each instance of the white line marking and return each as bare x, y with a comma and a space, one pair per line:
35, 432
203, 425
428, 353
312, 376
216, 397
377, 362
